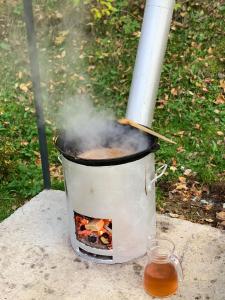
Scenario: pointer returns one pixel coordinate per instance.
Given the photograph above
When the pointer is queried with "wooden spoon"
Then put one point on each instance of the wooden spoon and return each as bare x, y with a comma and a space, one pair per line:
143, 128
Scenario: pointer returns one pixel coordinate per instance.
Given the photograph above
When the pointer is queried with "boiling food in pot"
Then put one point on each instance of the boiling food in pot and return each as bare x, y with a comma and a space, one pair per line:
105, 153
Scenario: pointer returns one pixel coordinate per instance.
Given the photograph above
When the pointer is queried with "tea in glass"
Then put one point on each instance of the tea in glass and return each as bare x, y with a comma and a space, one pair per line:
160, 279
163, 269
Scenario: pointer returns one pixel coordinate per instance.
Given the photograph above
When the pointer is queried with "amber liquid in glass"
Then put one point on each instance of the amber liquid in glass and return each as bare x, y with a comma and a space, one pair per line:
160, 279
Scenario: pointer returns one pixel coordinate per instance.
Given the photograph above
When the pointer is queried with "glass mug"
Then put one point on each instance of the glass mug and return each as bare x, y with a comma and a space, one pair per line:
163, 269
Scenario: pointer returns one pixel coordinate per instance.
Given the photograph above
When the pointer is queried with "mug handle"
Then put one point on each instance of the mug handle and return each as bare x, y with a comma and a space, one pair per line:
175, 261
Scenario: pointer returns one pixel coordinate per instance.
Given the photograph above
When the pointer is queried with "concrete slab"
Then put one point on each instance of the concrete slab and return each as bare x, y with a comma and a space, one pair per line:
38, 263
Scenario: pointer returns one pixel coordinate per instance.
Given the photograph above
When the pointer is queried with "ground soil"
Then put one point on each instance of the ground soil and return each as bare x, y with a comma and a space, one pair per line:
194, 202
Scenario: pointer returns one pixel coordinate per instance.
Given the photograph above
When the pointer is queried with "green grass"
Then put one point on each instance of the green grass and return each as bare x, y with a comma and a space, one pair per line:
97, 57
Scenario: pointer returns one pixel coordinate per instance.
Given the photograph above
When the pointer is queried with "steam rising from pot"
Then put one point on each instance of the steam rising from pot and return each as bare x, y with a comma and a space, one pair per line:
82, 123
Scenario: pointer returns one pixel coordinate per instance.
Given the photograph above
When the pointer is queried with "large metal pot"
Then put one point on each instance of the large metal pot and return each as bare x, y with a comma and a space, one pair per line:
119, 189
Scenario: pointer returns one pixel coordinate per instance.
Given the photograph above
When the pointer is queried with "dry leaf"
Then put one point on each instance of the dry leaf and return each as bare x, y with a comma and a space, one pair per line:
173, 215
19, 75
37, 161
182, 179
222, 84
220, 99
58, 15
197, 126
90, 68
174, 91
137, 34
220, 216
181, 133
60, 38
181, 186
63, 54
220, 133
174, 162
209, 220
162, 102
208, 206
36, 153
24, 87
210, 50
172, 168
222, 224
56, 172
180, 149
187, 172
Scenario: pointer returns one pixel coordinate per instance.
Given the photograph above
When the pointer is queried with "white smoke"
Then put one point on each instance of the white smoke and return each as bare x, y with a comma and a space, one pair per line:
89, 128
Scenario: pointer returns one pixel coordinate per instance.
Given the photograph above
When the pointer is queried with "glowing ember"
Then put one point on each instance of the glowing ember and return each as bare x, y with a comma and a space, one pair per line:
93, 232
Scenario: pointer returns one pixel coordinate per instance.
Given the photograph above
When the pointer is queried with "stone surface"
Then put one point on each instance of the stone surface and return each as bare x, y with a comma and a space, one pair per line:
38, 263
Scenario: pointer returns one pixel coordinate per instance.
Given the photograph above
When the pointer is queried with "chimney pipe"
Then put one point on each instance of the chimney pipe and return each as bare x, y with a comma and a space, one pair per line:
150, 54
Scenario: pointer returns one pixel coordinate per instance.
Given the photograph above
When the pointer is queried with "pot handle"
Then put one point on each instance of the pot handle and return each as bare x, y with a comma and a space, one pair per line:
157, 176
60, 158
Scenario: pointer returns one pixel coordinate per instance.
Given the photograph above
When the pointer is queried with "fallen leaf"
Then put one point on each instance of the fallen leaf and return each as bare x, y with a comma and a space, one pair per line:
222, 84
180, 149
208, 80
162, 102
174, 162
174, 91
181, 186
173, 215
209, 220
60, 38
172, 168
181, 133
58, 15
197, 126
208, 207
137, 34
182, 179
63, 54
220, 99
19, 75
56, 172
187, 172
24, 87
220, 216
90, 68
220, 133
37, 161
210, 50
222, 224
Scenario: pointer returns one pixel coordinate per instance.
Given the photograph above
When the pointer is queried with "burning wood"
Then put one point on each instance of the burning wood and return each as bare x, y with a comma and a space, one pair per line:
95, 225
94, 232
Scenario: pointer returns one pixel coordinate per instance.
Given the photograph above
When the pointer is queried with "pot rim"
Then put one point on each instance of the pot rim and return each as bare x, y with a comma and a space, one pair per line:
153, 147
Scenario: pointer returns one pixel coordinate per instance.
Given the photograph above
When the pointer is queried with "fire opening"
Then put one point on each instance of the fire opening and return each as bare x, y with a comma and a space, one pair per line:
95, 233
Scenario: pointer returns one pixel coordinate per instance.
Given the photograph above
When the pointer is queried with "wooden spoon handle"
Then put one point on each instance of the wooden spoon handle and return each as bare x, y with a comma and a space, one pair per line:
143, 128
